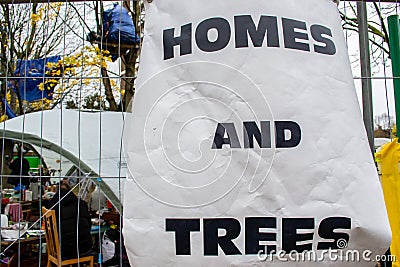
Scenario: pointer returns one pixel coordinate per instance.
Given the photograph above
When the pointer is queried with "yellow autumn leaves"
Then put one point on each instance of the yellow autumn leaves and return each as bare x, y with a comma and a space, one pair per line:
46, 12
80, 70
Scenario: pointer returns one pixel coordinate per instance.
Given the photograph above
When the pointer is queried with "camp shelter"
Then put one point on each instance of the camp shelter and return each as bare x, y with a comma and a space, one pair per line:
379, 142
71, 140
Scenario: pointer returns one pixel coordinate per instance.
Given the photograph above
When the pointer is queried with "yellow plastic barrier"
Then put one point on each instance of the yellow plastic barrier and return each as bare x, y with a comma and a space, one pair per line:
388, 159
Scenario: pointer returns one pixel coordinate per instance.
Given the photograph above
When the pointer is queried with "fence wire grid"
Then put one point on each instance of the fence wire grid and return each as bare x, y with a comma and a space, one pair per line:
69, 126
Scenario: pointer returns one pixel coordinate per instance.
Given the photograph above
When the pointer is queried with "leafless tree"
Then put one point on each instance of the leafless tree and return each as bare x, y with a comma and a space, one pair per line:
31, 31
377, 27
383, 121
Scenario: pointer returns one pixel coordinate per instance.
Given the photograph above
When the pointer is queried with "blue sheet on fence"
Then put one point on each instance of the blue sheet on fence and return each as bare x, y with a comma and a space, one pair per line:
33, 73
8, 109
119, 27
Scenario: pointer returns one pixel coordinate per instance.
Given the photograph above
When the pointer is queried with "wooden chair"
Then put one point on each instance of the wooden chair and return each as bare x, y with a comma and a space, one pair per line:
53, 244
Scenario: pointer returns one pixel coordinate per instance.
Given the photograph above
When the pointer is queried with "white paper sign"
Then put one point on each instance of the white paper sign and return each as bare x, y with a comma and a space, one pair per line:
246, 142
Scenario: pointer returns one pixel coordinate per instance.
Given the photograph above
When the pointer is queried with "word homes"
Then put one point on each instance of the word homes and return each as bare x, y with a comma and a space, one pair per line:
295, 35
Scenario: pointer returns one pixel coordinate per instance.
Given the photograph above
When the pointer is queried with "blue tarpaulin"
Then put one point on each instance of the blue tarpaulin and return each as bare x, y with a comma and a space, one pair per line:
119, 27
8, 109
32, 73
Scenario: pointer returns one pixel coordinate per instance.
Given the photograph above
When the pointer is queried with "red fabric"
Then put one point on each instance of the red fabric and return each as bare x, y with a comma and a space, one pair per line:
14, 211
4, 201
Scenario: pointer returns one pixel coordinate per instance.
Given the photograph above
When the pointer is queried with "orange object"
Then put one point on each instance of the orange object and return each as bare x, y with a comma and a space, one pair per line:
109, 204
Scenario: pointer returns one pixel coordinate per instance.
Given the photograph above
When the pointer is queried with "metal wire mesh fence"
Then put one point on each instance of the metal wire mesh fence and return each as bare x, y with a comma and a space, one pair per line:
67, 77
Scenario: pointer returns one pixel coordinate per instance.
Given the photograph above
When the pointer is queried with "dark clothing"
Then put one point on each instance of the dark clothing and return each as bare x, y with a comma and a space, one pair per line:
19, 167
387, 262
68, 229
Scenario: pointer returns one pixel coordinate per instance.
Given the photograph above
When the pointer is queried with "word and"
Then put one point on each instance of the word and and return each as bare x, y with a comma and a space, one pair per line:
226, 134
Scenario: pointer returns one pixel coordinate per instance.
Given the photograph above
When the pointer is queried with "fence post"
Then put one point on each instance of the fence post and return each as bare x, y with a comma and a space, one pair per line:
394, 40
365, 72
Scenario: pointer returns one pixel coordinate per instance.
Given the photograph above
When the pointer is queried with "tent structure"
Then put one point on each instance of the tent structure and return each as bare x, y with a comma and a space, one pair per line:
379, 142
71, 140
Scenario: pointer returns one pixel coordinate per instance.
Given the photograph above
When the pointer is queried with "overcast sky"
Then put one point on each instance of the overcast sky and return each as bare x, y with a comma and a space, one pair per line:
381, 87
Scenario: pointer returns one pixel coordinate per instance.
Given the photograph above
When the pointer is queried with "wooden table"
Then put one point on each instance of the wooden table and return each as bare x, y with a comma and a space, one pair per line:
24, 244
29, 240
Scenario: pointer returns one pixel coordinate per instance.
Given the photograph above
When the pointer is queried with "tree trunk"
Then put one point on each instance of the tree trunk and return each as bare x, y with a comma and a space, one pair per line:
108, 90
131, 59
3, 95
130, 62
13, 102
21, 109
7, 147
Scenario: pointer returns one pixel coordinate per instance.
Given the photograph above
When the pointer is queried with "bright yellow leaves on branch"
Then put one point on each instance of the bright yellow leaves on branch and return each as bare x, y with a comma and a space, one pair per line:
46, 12
80, 70
35, 18
3, 118
88, 59
41, 104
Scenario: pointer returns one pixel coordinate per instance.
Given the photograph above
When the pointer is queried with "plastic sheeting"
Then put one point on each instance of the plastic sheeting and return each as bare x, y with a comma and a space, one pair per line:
8, 109
119, 27
388, 159
33, 73
90, 140
246, 137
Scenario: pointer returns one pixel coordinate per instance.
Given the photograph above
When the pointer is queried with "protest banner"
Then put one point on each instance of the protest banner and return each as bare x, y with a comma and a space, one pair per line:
246, 140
